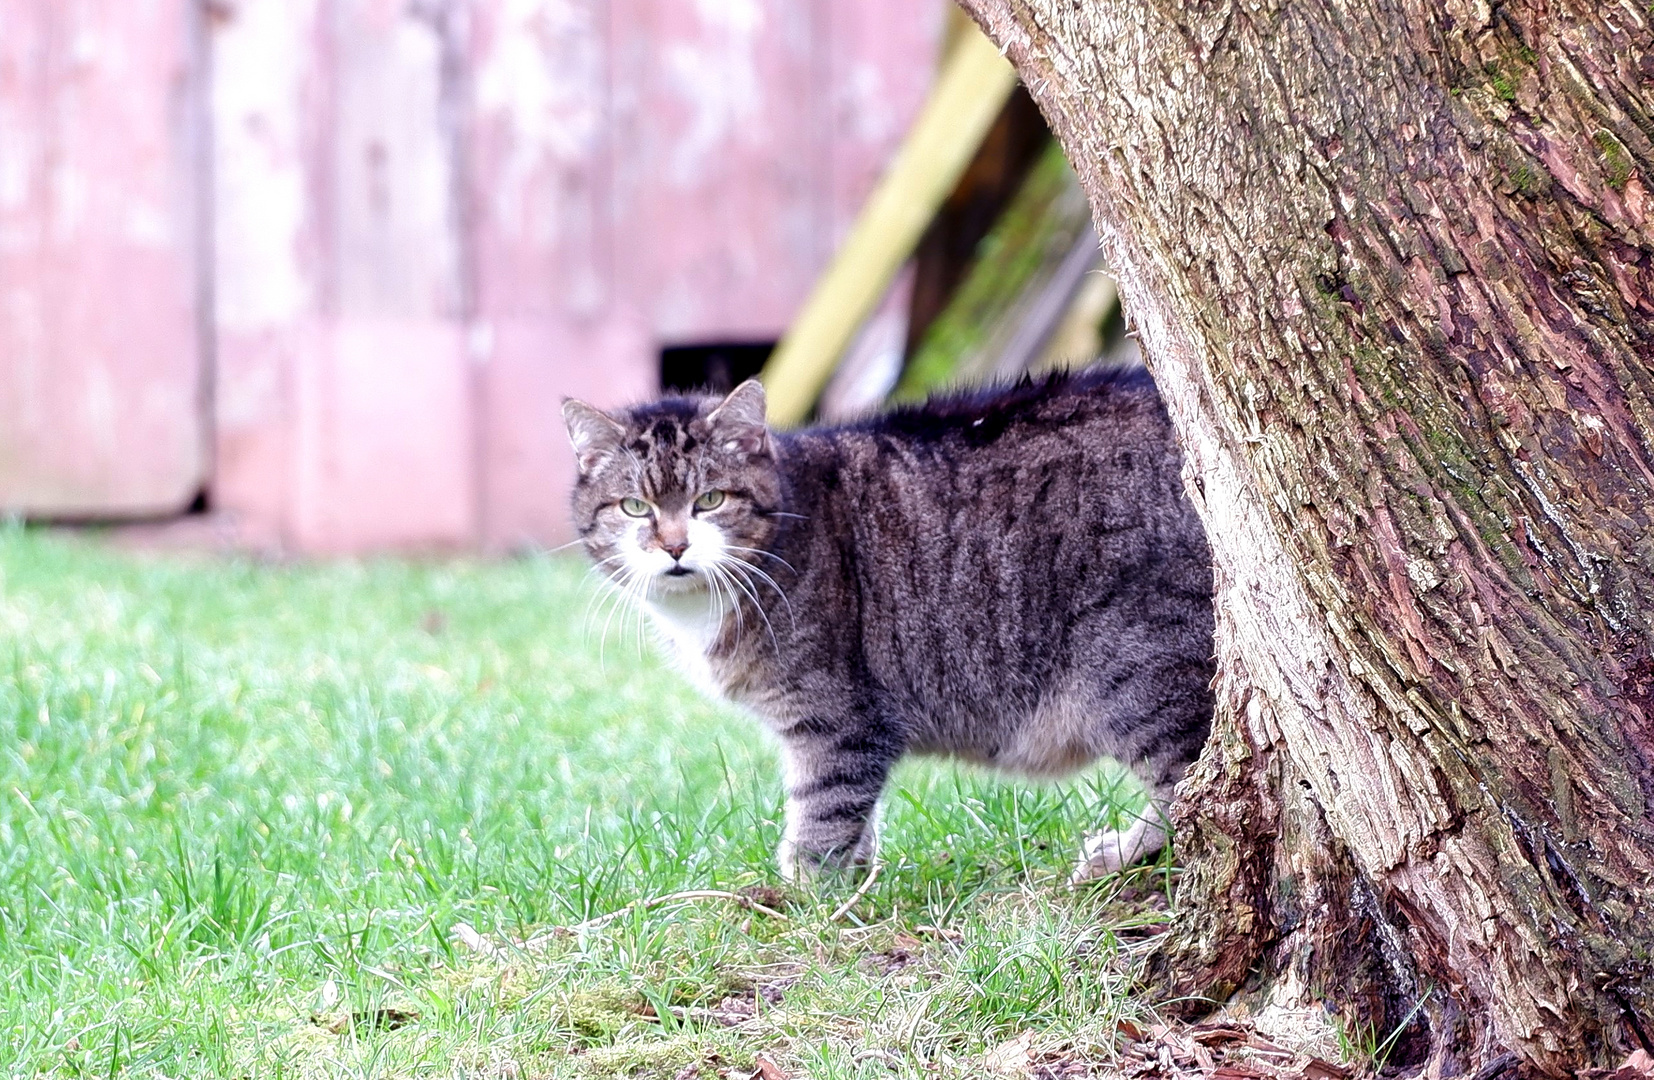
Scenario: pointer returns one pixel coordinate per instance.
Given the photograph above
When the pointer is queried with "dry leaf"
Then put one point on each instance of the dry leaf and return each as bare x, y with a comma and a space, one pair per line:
1129, 1031
937, 931
1234, 1070
764, 894
1218, 1034
468, 936
1012, 1056
1636, 1066
1322, 1069
769, 1070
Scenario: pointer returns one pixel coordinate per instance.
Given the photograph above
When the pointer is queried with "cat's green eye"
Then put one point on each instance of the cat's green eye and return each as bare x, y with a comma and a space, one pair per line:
709, 500
634, 507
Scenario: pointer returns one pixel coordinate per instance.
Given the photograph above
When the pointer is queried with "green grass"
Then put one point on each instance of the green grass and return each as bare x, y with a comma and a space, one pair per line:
243, 807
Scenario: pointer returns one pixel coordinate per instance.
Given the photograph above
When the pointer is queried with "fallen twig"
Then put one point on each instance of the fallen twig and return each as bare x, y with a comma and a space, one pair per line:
861, 890
671, 898
468, 936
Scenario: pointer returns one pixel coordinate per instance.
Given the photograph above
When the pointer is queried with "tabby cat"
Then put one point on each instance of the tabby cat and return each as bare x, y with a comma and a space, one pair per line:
1014, 577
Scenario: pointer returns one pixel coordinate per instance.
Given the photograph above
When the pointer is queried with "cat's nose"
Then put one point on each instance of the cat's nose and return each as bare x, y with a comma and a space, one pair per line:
676, 550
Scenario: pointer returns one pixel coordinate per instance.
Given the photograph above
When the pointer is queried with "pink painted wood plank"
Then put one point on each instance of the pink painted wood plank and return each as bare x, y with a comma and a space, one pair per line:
548, 320
267, 252
532, 365
390, 194
384, 439
636, 173
882, 59
651, 172
721, 143
747, 135
255, 450
100, 359
387, 436
346, 402
542, 227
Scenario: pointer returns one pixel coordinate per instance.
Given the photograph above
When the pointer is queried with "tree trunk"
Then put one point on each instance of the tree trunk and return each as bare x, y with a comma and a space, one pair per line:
1392, 264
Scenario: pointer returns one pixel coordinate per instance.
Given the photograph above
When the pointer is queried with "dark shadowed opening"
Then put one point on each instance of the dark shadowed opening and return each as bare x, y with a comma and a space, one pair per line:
719, 366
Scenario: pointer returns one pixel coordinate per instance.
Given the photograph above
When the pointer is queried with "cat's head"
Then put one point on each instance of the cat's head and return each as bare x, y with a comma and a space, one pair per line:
670, 492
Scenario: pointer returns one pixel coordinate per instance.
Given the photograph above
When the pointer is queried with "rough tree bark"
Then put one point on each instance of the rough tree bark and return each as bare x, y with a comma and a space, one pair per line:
1393, 264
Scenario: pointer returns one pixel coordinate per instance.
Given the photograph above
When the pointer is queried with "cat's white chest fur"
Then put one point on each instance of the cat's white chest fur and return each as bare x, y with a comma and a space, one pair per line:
690, 621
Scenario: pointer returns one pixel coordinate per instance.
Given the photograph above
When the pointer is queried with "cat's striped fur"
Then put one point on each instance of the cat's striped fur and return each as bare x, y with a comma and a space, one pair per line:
1014, 577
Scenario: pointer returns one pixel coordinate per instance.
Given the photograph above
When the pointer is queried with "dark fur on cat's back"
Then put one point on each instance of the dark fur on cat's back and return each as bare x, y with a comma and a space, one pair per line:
1015, 577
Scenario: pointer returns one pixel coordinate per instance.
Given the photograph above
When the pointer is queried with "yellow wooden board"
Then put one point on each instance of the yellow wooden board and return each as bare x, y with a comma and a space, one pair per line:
972, 88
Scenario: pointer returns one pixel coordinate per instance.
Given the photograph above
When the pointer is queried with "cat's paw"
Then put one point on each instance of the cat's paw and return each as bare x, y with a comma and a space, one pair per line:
799, 866
786, 861
1110, 852
1101, 854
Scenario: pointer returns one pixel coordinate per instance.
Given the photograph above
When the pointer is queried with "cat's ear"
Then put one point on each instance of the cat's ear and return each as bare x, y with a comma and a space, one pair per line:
738, 421
595, 434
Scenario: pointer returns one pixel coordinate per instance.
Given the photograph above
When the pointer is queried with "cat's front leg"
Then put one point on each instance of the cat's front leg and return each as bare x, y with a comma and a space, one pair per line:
833, 788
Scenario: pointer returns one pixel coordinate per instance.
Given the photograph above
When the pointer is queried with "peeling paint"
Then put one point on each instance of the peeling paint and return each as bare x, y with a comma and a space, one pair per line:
547, 189
717, 77
260, 212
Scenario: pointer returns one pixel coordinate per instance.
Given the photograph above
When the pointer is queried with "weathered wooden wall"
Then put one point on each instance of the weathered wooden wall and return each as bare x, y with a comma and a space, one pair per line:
429, 220
101, 354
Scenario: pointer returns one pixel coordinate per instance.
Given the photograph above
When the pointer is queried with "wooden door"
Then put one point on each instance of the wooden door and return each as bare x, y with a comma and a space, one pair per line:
101, 366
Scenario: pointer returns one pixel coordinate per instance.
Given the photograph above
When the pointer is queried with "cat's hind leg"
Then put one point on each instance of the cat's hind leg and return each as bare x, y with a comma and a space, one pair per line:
1157, 722
1146, 834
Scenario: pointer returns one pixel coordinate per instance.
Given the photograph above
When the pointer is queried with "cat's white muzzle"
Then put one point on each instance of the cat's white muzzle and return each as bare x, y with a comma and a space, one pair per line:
688, 573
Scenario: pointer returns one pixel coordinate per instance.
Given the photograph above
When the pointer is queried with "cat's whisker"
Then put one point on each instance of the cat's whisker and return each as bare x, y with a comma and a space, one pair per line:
724, 609
640, 608
735, 592
637, 603
623, 607
611, 600
720, 577
760, 551
764, 576
731, 567
642, 617
629, 584
747, 567
605, 581
717, 602
727, 602
606, 591
731, 587
610, 592
596, 568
